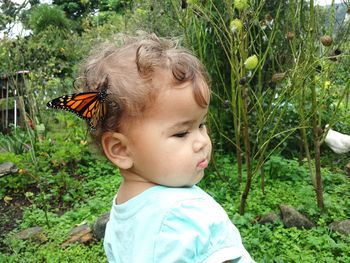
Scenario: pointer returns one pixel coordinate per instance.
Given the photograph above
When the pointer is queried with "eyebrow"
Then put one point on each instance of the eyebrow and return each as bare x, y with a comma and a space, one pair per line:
185, 123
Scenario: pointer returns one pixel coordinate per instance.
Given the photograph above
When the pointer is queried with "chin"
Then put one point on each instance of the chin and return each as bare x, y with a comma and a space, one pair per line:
185, 185
191, 182
194, 182
189, 185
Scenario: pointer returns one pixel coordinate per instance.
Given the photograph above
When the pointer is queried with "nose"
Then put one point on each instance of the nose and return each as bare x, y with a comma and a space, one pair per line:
201, 141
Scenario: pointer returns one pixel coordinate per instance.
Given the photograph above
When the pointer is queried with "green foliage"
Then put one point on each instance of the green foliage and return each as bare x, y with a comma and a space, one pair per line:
277, 244
18, 142
50, 251
8, 13
14, 182
67, 185
69, 177
49, 165
73, 254
153, 16
78, 188
286, 182
266, 243
43, 16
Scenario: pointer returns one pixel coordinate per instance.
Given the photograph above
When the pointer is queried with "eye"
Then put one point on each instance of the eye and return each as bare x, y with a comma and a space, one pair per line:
181, 134
202, 125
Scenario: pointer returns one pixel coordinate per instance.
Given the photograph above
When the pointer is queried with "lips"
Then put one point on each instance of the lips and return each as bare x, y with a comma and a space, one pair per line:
203, 164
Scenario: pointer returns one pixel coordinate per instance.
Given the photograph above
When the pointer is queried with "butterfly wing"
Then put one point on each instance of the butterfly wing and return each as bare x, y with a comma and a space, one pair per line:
96, 110
87, 105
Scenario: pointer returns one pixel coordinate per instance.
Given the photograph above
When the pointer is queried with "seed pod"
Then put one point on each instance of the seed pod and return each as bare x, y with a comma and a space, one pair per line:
333, 58
290, 35
318, 68
278, 77
334, 54
269, 20
242, 81
319, 131
326, 40
226, 104
241, 4
251, 62
263, 24
337, 52
236, 25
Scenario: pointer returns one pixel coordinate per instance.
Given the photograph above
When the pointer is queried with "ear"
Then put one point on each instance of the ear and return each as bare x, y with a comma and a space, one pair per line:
115, 146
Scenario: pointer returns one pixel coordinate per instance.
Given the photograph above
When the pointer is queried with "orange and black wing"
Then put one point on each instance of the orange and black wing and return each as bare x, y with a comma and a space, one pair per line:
87, 105
98, 111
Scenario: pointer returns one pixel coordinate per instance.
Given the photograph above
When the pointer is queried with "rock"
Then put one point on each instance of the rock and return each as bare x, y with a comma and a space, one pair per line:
347, 169
34, 234
82, 234
269, 218
7, 168
292, 218
342, 227
100, 226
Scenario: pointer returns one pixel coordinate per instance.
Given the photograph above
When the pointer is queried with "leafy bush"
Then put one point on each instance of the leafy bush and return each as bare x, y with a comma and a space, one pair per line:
286, 182
45, 16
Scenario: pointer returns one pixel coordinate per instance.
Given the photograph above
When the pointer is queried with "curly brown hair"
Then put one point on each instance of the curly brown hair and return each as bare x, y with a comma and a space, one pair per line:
126, 72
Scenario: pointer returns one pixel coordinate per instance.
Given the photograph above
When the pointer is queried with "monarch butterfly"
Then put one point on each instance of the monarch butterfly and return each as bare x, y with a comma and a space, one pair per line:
87, 105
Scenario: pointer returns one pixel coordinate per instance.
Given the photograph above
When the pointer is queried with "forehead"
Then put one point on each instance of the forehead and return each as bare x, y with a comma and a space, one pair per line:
163, 80
173, 107
169, 102
176, 104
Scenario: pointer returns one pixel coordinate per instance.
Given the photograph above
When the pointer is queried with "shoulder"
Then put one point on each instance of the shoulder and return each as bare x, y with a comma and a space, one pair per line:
195, 229
198, 205
199, 214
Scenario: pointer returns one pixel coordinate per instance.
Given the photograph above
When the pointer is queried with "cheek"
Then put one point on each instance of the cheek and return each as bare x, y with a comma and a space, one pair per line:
156, 156
173, 161
209, 146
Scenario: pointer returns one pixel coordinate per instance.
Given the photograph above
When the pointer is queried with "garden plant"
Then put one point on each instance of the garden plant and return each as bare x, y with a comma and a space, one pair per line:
279, 72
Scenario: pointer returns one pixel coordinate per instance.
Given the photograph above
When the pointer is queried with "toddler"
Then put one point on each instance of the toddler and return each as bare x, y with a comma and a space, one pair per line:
153, 128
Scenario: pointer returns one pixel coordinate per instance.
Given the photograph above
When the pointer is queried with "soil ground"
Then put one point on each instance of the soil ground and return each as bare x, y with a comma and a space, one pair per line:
10, 214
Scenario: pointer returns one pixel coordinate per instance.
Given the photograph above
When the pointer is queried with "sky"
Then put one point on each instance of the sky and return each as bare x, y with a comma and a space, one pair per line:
328, 2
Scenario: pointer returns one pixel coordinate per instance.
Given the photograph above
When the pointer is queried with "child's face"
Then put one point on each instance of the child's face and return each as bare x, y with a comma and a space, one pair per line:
170, 145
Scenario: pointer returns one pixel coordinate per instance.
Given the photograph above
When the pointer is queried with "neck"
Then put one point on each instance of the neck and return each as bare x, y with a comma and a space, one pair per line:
131, 187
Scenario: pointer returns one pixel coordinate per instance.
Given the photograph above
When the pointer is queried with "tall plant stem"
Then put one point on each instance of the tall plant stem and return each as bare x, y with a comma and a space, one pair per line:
236, 104
315, 130
237, 125
247, 150
316, 141
304, 136
316, 138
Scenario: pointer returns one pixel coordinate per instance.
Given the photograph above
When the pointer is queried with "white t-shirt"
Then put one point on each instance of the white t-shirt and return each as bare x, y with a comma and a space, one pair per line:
170, 225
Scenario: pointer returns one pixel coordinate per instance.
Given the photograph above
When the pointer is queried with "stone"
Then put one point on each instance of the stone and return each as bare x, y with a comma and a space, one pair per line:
292, 218
33, 233
269, 218
7, 168
342, 227
82, 234
100, 226
347, 169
